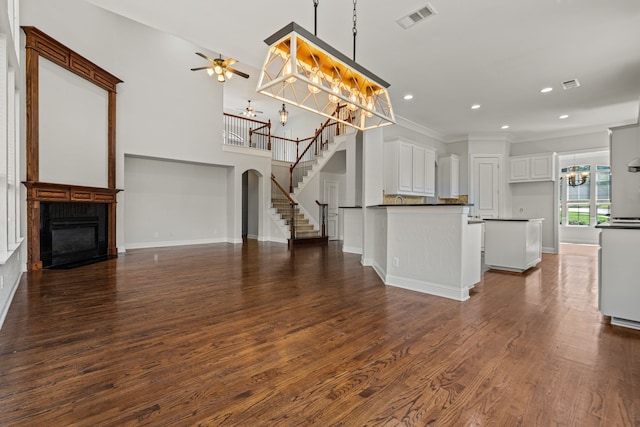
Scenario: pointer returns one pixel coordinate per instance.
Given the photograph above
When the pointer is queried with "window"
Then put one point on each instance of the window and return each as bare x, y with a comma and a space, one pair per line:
603, 194
581, 203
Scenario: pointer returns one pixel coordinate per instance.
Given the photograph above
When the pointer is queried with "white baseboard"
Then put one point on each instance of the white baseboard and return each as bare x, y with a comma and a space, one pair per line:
12, 292
164, 244
458, 294
352, 250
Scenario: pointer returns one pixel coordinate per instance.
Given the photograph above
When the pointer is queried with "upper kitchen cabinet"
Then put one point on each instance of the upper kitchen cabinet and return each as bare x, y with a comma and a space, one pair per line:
449, 177
532, 168
410, 169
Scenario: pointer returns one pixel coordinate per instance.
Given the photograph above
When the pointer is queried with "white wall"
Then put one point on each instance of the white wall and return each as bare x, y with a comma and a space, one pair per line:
587, 142
171, 203
73, 140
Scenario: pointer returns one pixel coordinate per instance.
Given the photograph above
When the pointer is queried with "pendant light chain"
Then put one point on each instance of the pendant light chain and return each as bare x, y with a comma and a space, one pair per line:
355, 30
315, 17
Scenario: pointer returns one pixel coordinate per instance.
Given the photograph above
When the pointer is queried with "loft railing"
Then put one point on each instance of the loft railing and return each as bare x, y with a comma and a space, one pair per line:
279, 196
245, 132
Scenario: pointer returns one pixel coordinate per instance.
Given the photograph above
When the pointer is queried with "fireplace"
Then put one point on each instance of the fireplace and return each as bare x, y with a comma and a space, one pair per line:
73, 234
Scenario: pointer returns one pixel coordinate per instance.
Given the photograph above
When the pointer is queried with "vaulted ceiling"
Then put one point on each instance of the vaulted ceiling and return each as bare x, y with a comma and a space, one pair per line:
496, 53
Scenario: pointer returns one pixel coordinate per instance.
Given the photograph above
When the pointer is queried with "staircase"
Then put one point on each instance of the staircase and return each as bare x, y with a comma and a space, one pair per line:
304, 228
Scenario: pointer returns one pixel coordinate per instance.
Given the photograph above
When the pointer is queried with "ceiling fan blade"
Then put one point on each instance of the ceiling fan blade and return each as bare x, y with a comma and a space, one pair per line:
229, 61
203, 68
213, 61
239, 73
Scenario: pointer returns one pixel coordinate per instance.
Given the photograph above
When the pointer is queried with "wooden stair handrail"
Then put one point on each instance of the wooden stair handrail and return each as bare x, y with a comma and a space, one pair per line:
281, 188
246, 118
314, 138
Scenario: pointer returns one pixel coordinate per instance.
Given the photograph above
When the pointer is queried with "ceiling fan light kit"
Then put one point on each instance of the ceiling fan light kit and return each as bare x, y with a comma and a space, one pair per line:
220, 68
302, 70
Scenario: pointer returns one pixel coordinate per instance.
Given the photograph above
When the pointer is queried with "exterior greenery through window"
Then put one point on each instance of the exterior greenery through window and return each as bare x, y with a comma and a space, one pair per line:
585, 205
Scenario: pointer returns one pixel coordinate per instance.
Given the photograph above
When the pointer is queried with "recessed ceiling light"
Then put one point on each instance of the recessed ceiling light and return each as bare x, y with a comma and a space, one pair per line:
475, 106
505, 127
564, 116
546, 90
408, 97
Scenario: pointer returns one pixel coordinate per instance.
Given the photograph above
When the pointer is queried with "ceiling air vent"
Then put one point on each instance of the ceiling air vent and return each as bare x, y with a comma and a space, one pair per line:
413, 18
570, 84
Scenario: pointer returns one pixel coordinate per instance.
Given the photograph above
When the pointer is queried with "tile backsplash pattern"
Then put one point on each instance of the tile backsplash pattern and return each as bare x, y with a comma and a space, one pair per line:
390, 199
463, 198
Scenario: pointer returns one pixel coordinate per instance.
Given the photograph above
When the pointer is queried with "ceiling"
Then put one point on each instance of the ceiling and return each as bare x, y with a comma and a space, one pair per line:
496, 53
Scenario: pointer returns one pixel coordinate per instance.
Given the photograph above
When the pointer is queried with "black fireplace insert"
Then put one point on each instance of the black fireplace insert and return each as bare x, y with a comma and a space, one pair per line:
72, 234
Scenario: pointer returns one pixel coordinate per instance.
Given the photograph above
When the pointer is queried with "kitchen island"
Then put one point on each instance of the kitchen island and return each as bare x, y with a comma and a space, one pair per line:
429, 248
618, 284
512, 244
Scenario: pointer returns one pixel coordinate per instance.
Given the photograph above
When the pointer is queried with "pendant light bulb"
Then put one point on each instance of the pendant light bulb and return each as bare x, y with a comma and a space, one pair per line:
335, 88
210, 72
313, 88
218, 69
353, 97
221, 78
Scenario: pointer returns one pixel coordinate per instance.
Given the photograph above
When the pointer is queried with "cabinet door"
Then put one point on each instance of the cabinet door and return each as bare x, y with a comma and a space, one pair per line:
518, 169
419, 170
405, 168
430, 173
541, 168
455, 177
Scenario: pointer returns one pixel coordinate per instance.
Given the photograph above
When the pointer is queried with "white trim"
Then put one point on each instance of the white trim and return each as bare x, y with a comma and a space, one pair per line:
164, 244
246, 150
12, 292
549, 250
408, 124
352, 250
458, 294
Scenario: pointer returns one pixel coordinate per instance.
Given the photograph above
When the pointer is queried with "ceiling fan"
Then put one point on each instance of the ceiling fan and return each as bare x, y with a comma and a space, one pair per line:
249, 111
220, 67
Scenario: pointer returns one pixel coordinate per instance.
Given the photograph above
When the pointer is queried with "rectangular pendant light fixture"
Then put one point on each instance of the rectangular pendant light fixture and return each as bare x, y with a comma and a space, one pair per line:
304, 71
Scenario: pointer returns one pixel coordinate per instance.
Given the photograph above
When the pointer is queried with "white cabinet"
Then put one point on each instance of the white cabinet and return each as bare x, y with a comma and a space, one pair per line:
619, 288
531, 168
449, 177
512, 244
409, 169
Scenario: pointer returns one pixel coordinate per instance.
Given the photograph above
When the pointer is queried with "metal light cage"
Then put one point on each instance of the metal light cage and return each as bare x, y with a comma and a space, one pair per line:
304, 71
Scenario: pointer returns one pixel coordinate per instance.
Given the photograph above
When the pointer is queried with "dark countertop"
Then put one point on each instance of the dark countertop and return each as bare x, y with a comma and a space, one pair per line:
475, 221
420, 204
514, 219
349, 207
619, 225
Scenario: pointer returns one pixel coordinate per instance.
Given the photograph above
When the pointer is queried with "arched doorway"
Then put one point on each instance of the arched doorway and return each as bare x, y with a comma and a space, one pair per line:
250, 204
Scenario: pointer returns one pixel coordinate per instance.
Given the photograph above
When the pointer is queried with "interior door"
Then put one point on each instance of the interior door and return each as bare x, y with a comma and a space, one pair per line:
486, 182
331, 192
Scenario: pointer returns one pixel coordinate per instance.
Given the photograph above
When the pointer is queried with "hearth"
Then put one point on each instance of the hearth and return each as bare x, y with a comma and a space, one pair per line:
73, 234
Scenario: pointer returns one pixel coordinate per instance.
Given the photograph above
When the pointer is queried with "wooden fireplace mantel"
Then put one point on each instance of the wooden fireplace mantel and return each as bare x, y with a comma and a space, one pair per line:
39, 44
38, 192
50, 192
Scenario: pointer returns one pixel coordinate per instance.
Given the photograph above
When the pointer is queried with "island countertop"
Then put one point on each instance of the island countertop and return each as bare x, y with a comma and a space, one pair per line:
619, 225
513, 219
418, 205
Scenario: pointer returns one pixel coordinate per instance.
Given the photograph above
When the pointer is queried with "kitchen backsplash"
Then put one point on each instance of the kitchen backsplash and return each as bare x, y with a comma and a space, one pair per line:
396, 199
463, 198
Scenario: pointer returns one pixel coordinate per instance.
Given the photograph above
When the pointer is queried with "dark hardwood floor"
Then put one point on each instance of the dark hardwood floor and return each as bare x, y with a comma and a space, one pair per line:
257, 335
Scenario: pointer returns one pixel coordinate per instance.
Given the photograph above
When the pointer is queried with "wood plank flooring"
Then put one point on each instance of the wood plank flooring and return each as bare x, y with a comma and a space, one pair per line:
258, 335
